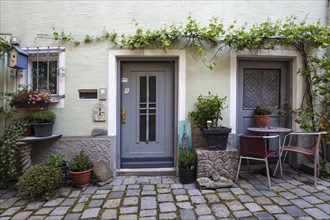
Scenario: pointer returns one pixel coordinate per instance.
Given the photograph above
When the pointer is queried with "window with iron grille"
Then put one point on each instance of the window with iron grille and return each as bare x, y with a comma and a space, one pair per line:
46, 71
44, 76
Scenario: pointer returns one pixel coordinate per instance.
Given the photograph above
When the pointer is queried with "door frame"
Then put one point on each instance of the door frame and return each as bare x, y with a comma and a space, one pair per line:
114, 100
295, 95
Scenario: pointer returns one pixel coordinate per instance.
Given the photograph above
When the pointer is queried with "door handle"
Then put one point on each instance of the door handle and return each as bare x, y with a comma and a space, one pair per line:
123, 115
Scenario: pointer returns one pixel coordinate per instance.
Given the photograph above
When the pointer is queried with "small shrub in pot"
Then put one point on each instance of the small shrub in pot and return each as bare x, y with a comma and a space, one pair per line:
44, 116
81, 169
206, 116
187, 166
43, 122
59, 161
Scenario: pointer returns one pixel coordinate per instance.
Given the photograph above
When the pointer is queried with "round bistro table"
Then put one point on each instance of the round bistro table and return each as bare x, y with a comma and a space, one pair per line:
268, 130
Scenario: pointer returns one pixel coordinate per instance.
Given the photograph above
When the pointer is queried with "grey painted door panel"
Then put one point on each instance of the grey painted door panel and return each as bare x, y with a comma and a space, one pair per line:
262, 81
148, 97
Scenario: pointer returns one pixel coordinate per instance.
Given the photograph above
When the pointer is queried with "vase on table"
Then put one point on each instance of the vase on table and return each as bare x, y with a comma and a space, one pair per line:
262, 121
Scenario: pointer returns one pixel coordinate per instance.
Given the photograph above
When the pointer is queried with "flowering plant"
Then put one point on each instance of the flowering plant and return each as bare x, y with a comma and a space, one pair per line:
28, 96
263, 109
37, 96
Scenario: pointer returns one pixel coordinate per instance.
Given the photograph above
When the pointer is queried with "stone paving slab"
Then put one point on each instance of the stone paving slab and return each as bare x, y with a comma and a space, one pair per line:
148, 198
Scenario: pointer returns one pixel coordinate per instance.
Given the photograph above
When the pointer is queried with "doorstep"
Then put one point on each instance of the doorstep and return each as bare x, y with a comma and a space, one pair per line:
308, 167
170, 171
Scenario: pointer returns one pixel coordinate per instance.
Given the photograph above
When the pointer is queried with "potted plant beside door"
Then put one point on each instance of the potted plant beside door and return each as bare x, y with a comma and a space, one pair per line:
81, 169
43, 122
207, 116
262, 114
187, 165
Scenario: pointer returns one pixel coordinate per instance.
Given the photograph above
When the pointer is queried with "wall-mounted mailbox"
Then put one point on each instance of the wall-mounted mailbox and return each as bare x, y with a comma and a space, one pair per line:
17, 58
87, 93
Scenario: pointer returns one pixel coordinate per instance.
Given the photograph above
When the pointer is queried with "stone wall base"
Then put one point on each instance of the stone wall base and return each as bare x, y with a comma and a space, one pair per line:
225, 162
96, 147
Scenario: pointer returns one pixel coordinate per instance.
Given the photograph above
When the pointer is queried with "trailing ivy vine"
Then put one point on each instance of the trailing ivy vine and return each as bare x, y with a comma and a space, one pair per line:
8, 151
4, 46
306, 38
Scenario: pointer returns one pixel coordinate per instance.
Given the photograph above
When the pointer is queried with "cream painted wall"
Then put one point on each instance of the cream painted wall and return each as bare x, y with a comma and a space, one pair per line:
87, 64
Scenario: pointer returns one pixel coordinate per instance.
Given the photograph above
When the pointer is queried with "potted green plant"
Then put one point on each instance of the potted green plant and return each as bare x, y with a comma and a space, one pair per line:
59, 161
262, 114
43, 122
187, 165
207, 116
81, 169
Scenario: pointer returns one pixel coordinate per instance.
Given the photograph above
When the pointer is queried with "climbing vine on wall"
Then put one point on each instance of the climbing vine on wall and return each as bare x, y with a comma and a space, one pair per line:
4, 46
306, 38
8, 150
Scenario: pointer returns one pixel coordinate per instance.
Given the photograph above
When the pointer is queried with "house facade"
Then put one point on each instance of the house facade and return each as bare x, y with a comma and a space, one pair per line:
139, 96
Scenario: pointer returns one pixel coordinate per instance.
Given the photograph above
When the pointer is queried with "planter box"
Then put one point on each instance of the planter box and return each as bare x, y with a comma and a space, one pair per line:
43, 129
31, 106
216, 138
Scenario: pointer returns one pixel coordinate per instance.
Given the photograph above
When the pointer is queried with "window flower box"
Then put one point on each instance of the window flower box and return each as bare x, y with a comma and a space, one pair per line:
28, 98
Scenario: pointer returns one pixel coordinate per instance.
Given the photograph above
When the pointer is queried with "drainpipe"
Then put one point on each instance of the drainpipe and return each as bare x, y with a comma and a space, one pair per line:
3, 71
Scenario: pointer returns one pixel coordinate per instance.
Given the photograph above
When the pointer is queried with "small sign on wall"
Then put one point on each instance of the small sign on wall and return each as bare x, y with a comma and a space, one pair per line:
185, 138
99, 112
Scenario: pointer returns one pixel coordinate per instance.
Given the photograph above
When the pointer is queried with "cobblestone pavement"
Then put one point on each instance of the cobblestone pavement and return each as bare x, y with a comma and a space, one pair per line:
293, 197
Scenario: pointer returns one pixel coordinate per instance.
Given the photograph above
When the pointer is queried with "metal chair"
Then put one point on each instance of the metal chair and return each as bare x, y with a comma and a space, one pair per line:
256, 148
312, 151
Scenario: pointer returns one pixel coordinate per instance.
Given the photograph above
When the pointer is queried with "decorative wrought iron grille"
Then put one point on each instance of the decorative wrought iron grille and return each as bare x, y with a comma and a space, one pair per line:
44, 69
261, 85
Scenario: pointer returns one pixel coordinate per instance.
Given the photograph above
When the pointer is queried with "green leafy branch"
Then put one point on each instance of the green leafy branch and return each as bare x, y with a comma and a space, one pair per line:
212, 38
4, 46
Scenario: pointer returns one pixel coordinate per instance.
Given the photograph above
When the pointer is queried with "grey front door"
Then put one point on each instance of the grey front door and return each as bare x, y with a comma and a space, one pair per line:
147, 114
262, 81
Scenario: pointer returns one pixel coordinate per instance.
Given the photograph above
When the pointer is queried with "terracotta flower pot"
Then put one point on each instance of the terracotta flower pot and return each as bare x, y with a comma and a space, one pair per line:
262, 120
29, 131
81, 179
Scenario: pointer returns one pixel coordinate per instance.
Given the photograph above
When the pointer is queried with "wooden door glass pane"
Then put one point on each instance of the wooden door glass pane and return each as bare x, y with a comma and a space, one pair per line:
143, 127
147, 108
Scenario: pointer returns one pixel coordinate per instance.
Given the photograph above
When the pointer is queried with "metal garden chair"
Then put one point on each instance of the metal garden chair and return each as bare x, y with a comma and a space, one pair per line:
256, 148
312, 151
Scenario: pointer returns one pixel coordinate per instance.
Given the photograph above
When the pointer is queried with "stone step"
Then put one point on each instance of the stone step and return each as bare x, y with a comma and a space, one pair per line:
171, 171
